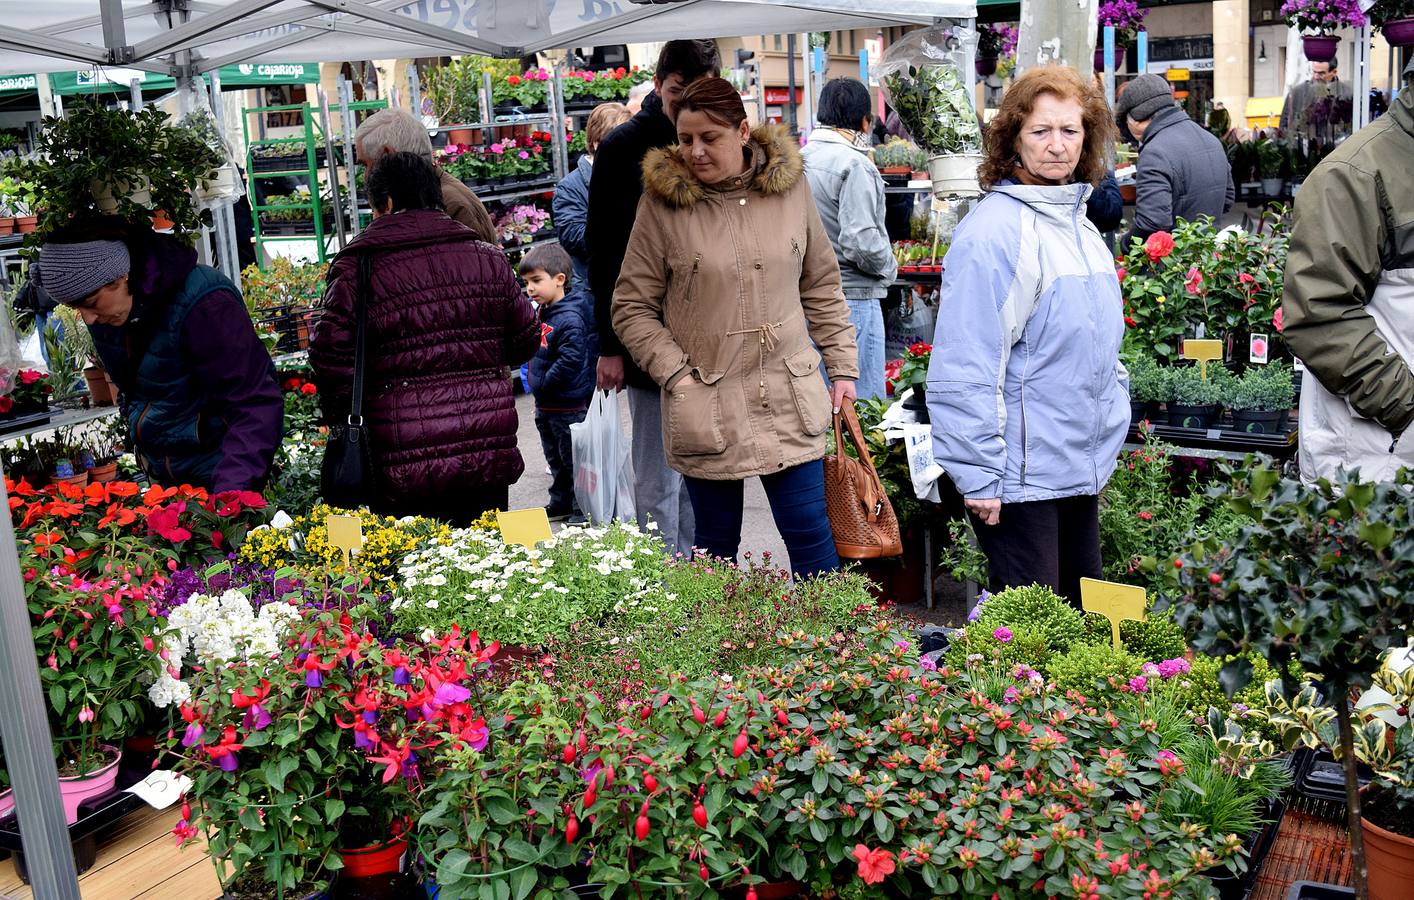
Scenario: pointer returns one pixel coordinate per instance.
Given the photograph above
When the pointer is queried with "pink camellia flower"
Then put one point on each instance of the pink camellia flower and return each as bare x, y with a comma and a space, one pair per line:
1158, 245
1276, 320
1194, 282
1003, 634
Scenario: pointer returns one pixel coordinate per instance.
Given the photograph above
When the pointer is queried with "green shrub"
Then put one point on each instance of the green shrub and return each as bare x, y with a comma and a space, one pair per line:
1025, 645
1155, 639
1036, 609
1147, 382
1264, 388
1094, 670
1185, 385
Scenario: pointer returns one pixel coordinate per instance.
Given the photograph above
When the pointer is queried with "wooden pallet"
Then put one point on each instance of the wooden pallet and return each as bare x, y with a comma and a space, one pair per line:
140, 859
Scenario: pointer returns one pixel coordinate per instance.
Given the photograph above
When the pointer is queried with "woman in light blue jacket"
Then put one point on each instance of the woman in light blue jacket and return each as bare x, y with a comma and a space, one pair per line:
1029, 402
850, 196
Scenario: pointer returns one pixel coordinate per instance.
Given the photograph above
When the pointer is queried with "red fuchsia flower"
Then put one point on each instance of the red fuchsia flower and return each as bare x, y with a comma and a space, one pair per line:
256, 717
874, 865
1159, 245
394, 761
314, 670
184, 831
1276, 320
1194, 282
225, 752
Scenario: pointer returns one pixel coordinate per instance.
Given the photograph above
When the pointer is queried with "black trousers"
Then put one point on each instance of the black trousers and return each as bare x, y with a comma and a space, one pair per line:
1048, 542
555, 440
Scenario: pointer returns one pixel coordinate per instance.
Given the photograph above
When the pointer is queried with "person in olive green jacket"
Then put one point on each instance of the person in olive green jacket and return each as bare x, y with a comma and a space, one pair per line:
1348, 303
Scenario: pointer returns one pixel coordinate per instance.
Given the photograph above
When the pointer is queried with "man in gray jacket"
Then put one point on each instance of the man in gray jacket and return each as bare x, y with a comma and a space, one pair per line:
1183, 169
850, 196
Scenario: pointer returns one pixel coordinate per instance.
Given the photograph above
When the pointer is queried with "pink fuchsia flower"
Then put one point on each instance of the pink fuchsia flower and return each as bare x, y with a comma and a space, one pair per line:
1194, 282
87, 715
874, 865
1169, 763
184, 831
1003, 634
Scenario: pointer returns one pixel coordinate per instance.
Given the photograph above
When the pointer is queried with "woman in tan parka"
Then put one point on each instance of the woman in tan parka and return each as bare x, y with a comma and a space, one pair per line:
728, 286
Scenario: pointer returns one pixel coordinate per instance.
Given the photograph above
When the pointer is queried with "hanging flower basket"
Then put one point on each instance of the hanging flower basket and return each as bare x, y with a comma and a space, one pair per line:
986, 65
1100, 58
1319, 47
1399, 32
955, 175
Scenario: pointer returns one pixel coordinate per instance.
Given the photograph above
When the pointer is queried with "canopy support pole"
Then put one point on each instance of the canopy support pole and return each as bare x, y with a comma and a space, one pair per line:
414, 91
1361, 111
176, 38
29, 751
348, 125
807, 94
115, 34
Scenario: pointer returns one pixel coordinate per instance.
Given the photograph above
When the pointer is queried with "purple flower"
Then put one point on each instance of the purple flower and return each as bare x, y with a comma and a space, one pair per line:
193, 734
1010, 695
228, 762
362, 740
450, 693
1171, 667
314, 678
977, 610
523, 155
1138, 684
400, 676
256, 718
1003, 634
369, 716
928, 664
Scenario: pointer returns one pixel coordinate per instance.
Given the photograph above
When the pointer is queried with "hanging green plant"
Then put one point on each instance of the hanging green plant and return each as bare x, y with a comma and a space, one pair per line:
98, 161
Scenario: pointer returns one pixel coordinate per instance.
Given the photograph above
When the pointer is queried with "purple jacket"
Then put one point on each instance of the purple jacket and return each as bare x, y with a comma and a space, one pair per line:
446, 317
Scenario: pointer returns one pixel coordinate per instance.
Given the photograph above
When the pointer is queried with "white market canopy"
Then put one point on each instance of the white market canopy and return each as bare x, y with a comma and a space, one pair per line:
54, 35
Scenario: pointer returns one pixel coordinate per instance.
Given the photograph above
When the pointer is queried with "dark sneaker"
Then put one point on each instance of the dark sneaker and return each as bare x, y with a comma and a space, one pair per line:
558, 515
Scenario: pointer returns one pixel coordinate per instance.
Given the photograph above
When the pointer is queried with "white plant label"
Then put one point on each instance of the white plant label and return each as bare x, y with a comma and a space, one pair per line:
161, 789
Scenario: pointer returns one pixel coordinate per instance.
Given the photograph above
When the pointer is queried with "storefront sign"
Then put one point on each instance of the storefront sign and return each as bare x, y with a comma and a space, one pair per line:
782, 95
19, 83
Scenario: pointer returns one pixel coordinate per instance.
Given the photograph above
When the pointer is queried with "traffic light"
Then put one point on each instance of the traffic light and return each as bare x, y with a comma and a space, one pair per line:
742, 56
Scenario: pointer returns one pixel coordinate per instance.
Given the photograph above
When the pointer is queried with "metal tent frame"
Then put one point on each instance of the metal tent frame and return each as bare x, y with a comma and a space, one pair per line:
401, 27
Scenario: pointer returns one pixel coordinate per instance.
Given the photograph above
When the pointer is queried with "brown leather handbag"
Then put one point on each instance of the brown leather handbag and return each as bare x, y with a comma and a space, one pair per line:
860, 514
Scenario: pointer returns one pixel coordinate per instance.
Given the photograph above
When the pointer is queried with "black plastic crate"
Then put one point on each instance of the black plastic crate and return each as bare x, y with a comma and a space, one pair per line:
1310, 890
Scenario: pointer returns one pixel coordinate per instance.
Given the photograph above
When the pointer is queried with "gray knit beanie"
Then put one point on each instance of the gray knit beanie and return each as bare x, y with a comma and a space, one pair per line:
1143, 97
71, 272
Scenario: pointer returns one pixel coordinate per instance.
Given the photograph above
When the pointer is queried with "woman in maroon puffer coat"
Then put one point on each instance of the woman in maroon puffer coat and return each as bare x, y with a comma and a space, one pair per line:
446, 318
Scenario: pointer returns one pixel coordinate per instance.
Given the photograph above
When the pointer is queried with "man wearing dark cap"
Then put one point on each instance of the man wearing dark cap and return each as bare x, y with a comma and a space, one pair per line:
197, 387
1348, 301
1183, 172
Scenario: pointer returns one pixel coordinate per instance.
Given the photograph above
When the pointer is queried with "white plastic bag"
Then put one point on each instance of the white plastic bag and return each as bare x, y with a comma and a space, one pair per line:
603, 470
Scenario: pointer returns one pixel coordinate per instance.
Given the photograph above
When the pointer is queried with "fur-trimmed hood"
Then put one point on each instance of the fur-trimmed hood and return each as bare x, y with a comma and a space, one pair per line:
778, 168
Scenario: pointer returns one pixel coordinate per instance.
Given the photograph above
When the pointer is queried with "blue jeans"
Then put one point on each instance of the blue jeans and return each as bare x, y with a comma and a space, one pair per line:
867, 317
797, 497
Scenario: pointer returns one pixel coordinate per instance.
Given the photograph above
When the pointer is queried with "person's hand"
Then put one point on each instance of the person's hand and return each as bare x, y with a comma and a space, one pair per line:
841, 392
610, 373
989, 511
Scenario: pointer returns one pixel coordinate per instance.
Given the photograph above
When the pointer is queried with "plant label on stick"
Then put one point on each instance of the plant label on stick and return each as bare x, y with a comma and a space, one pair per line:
1257, 349
1203, 351
345, 533
526, 527
1115, 602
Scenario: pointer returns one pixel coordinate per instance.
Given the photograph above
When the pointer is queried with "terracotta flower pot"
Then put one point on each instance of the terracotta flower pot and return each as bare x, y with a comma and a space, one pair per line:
1319, 47
161, 221
101, 389
79, 480
1399, 32
381, 859
103, 474
1390, 860
461, 136
26, 224
1129, 193
7, 224
78, 788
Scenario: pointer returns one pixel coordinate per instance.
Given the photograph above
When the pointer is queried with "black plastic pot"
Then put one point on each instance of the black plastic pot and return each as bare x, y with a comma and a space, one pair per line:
1259, 421
1139, 411
1310, 890
1181, 416
917, 402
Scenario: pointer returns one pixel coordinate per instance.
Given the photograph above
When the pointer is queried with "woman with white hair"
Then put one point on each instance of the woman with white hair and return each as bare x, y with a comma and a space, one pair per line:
396, 131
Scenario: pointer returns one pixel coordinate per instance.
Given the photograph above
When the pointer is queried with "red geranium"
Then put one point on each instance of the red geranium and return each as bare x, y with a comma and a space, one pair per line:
513, 80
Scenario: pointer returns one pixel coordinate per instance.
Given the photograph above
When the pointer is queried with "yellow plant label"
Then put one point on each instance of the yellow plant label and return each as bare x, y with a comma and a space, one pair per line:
1204, 351
1114, 601
526, 527
345, 533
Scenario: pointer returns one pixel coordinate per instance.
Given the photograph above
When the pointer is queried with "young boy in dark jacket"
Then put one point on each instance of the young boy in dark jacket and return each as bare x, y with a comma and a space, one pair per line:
562, 372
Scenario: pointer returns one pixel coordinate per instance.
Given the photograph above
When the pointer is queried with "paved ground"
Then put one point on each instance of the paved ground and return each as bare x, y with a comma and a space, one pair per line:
758, 528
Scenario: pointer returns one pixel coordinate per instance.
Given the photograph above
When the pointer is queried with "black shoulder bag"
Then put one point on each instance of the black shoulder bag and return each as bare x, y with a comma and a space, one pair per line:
347, 474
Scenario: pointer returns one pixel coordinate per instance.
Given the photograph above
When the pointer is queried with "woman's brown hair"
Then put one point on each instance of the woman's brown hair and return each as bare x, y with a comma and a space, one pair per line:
999, 142
716, 99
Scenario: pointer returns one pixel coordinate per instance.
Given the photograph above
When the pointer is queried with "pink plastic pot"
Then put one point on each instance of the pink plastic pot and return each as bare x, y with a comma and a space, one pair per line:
78, 788
7, 803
